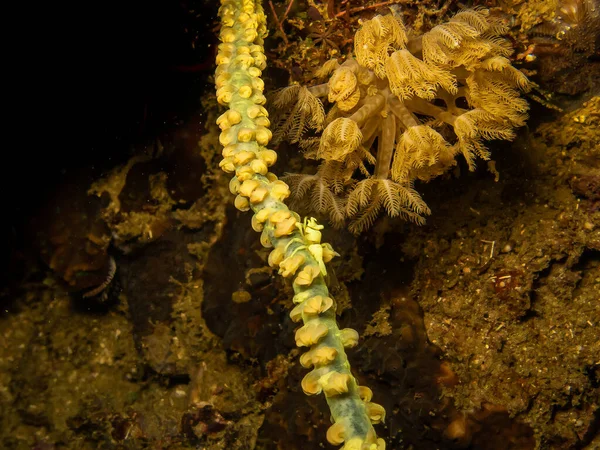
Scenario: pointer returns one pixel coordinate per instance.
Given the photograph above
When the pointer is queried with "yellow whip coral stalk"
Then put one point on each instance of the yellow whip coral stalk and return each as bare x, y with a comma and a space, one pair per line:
297, 249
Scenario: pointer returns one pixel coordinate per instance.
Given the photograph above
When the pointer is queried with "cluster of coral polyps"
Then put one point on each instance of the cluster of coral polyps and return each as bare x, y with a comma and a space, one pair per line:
425, 99
297, 249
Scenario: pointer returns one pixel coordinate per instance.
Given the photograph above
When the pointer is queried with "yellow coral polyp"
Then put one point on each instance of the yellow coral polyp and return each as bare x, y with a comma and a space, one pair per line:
258, 84
265, 239
226, 164
349, 337
280, 190
268, 156
296, 314
335, 383
342, 84
244, 173
243, 157
245, 91
263, 135
263, 214
260, 61
256, 225
262, 122
231, 117
223, 58
318, 357
250, 35
248, 187
229, 151
340, 138
259, 166
228, 35
228, 20
245, 134
244, 60
365, 393
311, 334
276, 257
254, 71
310, 383
234, 186
307, 275
258, 98
280, 216
317, 304
291, 264
350, 102
222, 79
255, 111
328, 252
375, 412
285, 227
313, 306
227, 137
242, 203
258, 195
336, 433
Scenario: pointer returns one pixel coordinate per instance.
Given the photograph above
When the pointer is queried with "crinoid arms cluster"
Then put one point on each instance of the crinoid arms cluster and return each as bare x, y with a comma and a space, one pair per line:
421, 99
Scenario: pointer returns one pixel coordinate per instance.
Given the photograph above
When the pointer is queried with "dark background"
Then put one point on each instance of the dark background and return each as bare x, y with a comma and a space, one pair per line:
91, 81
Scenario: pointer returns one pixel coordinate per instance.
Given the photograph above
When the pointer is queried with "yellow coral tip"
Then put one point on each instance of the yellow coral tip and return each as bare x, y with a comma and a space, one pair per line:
245, 135
276, 257
317, 304
349, 337
285, 227
263, 135
310, 334
248, 187
243, 157
245, 91
365, 393
256, 225
296, 316
323, 355
310, 383
290, 265
258, 166
244, 173
307, 275
280, 190
280, 215
265, 240
336, 433
241, 203
375, 412
268, 156
258, 195
227, 165
234, 186
335, 383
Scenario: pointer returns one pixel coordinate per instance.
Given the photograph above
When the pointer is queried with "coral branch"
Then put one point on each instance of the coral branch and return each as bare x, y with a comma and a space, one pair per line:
297, 249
